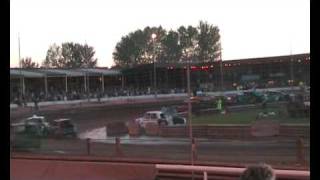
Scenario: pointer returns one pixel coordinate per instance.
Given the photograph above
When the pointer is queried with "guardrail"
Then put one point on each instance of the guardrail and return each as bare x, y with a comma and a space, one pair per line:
219, 173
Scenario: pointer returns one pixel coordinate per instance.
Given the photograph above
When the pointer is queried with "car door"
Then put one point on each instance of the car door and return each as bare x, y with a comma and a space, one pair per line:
154, 118
146, 119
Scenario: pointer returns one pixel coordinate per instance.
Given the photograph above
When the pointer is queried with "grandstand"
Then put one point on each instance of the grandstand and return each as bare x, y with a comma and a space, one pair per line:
72, 84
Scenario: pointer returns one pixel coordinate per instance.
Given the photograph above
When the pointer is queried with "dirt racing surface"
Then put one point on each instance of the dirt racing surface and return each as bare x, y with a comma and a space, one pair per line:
90, 116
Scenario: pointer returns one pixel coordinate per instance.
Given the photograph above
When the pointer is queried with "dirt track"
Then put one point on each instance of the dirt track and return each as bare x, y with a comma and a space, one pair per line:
97, 115
90, 116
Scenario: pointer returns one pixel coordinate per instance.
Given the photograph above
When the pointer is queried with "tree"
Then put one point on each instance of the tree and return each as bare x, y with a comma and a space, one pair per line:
202, 42
188, 41
28, 63
124, 55
137, 47
87, 55
171, 48
54, 58
70, 55
208, 41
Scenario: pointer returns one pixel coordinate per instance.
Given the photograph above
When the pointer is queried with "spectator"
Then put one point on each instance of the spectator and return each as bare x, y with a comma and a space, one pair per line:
258, 172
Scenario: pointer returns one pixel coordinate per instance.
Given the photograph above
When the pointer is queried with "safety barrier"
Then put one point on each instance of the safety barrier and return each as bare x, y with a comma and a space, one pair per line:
295, 130
166, 171
294, 152
236, 131
116, 129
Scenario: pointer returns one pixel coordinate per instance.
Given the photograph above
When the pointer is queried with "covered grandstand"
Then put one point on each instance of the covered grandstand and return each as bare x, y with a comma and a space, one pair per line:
72, 84
277, 71
57, 84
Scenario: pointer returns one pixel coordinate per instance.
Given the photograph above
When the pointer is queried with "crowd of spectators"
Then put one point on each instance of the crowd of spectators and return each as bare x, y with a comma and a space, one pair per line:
58, 94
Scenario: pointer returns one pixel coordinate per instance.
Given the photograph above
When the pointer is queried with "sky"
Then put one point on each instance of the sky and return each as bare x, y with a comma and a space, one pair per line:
248, 28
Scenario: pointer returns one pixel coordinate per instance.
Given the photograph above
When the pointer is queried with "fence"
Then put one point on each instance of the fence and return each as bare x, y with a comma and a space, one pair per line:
294, 152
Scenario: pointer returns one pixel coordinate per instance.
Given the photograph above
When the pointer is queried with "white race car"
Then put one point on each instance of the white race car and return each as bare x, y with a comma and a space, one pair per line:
160, 118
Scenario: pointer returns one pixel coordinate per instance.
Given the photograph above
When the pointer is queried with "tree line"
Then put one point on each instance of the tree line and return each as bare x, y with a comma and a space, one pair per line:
138, 47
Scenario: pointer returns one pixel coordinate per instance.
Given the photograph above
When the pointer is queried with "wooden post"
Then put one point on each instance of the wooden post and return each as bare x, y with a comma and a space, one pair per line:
23, 86
122, 81
88, 146
102, 83
118, 147
205, 175
85, 83
46, 85
66, 85
300, 152
194, 149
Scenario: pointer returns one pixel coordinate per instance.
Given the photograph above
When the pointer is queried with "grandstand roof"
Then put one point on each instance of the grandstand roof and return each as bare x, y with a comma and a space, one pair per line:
99, 71
258, 60
39, 72
25, 73
61, 72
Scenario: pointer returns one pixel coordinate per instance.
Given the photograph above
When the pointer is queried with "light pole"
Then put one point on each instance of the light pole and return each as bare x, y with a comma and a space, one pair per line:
154, 36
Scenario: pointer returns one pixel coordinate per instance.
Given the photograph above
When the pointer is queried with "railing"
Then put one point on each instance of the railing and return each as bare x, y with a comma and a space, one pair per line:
184, 171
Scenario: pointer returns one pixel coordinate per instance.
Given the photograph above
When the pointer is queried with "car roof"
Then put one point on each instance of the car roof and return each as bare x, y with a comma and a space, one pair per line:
17, 124
35, 117
61, 120
154, 112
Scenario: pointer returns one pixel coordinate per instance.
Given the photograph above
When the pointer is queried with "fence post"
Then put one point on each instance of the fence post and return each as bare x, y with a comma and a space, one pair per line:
300, 152
205, 175
118, 148
88, 146
194, 149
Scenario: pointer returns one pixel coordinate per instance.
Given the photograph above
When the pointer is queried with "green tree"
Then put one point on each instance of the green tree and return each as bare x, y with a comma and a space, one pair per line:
28, 63
171, 48
188, 42
138, 48
202, 42
209, 42
87, 55
54, 58
70, 55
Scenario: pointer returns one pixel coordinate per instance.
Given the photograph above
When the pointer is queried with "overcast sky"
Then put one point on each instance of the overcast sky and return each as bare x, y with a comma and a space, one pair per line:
248, 28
